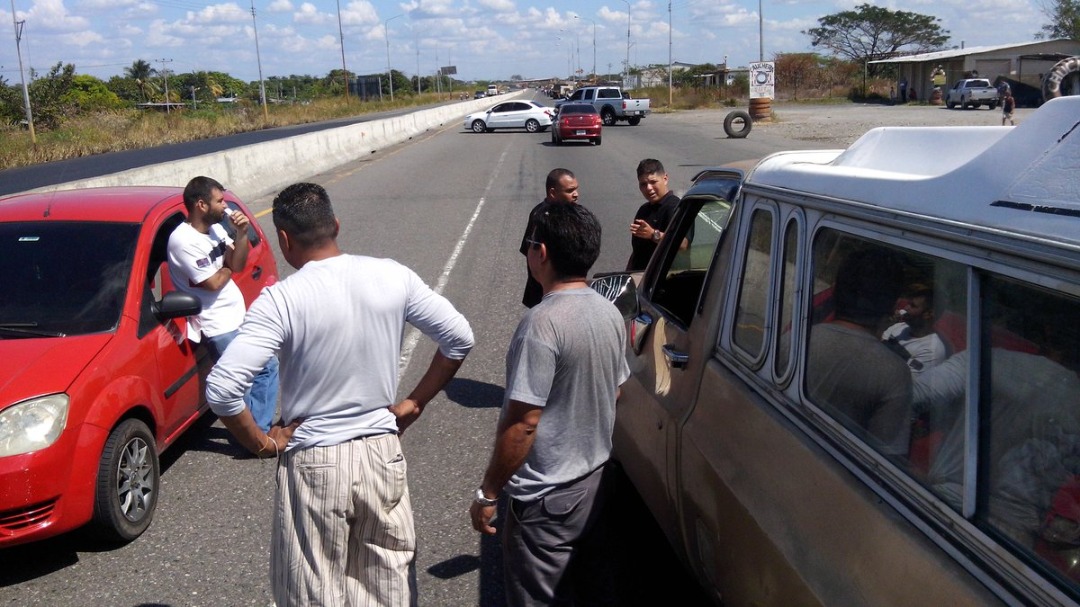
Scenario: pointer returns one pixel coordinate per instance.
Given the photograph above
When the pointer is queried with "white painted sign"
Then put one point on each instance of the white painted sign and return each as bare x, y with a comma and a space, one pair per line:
762, 79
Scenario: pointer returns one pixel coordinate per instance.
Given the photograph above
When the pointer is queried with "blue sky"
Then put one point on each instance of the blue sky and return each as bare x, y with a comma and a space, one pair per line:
485, 39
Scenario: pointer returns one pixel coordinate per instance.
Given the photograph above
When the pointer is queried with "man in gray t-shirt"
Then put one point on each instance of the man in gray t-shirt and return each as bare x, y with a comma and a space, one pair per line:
564, 367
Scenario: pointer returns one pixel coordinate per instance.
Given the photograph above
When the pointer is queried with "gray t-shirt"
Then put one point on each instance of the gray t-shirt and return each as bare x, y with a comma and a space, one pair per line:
858, 376
568, 357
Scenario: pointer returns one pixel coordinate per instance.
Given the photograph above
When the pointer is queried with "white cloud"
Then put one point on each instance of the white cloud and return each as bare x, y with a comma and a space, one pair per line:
498, 6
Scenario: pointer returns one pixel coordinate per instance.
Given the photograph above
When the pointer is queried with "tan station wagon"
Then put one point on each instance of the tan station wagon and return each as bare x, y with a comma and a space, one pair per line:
858, 383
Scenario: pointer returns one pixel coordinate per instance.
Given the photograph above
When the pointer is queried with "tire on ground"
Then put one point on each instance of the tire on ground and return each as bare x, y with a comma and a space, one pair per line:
731, 124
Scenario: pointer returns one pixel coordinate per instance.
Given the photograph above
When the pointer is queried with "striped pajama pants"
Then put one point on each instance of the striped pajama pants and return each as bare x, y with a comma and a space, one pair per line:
343, 528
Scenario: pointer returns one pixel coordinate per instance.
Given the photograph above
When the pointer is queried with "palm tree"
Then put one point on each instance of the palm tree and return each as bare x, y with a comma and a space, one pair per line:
141, 72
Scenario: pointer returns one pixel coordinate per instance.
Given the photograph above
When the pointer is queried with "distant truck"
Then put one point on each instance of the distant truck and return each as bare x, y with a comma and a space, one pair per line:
611, 102
492, 91
972, 92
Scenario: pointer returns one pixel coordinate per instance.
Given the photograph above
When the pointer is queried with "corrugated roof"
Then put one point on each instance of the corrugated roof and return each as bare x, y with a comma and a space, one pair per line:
961, 52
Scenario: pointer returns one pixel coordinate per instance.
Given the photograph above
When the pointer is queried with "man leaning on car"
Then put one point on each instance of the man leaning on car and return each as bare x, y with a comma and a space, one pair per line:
202, 260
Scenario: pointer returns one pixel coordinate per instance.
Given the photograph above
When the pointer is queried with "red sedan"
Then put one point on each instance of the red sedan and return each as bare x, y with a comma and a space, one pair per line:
97, 378
576, 121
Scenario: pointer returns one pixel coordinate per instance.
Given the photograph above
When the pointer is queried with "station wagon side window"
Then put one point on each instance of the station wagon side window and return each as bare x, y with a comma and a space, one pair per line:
1030, 398
880, 317
751, 313
785, 313
684, 268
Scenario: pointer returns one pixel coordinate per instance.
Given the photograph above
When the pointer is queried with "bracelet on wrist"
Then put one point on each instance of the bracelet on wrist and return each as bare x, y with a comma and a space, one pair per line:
484, 500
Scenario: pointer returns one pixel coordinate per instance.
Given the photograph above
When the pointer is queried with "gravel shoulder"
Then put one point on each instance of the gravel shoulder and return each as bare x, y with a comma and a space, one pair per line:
839, 125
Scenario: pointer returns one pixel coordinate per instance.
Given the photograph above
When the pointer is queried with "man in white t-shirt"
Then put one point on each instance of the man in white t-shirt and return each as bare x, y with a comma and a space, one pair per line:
915, 332
202, 260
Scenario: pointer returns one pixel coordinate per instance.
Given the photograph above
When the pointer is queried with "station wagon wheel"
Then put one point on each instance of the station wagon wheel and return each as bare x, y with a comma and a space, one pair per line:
127, 484
478, 126
532, 125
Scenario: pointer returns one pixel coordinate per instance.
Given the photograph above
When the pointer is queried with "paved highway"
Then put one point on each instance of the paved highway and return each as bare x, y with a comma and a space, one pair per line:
452, 206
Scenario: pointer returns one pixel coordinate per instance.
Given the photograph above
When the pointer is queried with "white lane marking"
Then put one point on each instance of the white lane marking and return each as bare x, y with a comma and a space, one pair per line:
413, 336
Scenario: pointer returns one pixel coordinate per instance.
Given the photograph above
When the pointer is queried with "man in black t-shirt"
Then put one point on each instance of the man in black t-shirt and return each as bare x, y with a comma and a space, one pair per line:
653, 217
561, 188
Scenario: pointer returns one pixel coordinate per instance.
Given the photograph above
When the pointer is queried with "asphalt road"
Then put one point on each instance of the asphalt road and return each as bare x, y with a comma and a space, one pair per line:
452, 206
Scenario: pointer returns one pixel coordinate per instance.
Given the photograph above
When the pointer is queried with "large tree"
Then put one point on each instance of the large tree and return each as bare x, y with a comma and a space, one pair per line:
1064, 16
871, 32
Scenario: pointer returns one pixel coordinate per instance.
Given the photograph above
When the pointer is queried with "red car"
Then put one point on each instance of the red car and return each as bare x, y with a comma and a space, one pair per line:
97, 378
576, 121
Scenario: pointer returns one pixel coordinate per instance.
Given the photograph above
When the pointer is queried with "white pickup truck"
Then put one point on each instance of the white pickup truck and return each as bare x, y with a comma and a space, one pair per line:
972, 92
612, 103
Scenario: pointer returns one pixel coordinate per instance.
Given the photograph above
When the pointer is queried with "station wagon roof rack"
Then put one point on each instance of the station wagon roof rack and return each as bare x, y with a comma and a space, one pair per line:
985, 177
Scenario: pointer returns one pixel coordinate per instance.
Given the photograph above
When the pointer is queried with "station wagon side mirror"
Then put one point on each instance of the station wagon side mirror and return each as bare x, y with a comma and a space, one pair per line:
620, 289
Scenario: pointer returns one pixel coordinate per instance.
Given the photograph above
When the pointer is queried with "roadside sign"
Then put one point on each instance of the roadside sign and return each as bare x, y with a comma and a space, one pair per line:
762, 79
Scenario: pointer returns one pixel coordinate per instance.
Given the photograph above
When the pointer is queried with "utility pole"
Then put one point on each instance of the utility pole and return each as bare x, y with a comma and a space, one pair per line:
165, 76
258, 59
389, 72
416, 38
341, 35
670, 64
26, 92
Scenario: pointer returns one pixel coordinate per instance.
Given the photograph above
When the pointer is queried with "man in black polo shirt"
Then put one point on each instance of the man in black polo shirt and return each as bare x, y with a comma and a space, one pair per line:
561, 187
653, 217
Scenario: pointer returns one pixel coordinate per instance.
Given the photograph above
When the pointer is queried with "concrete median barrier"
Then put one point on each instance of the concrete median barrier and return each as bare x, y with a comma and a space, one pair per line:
259, 169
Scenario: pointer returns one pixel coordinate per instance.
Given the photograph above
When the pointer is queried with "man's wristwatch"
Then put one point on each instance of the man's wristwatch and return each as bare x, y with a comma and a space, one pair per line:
482, 499
656, 235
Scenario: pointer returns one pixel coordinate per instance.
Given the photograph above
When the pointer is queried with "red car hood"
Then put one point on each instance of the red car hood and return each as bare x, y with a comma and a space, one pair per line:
38, 366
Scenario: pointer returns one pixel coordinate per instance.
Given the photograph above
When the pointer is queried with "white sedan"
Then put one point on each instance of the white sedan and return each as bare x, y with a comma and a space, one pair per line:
528, 115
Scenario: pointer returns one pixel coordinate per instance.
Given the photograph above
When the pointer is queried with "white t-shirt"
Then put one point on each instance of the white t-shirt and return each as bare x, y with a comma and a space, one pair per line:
194, 257
926, 351
337, 326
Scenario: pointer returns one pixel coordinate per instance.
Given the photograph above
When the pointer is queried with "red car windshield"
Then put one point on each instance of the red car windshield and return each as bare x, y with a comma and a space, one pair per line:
63, 278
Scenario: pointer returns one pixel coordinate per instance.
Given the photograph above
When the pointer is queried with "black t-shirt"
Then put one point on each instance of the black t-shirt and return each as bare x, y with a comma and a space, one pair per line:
658, 215
533, 291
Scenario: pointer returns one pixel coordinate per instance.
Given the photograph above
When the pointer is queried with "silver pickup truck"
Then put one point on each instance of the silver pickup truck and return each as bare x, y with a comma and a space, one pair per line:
971, 93
612, 103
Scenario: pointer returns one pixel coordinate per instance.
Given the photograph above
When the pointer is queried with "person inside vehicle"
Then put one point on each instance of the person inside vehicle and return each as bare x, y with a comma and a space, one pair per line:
849, 369
914, 337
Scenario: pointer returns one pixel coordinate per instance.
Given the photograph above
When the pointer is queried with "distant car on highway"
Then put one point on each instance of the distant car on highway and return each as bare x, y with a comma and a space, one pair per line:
528, 115
577, 121
98, 378
479, 95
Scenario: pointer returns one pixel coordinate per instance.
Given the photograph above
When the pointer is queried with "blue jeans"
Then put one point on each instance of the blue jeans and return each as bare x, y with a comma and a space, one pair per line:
261, 397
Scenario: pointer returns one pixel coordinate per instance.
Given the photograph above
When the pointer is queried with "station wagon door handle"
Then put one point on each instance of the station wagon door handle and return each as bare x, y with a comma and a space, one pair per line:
675, 359
256, 273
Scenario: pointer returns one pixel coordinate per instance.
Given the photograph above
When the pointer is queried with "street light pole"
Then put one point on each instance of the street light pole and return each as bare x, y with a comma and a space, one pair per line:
389, 74
626, 68
25, 91
593, 42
